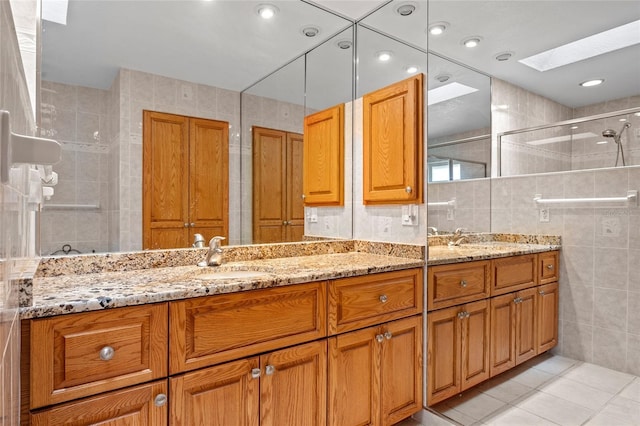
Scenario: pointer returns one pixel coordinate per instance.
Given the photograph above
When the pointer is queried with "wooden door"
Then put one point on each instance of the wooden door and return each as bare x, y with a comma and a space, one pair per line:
294, 228
208, 178
222, 395
547, 316
165, 178
294, 385
354, 379
526, 327
503, 336
474, 360
324, 157
131, 406
401, 369
443, 354
392, 143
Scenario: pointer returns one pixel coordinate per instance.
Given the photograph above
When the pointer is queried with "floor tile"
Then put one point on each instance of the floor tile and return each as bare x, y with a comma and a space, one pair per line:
476, 405
621, 412
504, 389
515, 416
599, 377
632, 391
554, 364
428, 418
531, 377
555, 409
577, 392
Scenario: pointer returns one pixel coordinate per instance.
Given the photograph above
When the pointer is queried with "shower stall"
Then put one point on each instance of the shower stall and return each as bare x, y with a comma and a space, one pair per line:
591, 142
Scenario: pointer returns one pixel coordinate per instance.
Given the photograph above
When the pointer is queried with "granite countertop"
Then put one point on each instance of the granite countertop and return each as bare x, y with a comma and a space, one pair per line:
443, 254
56, 295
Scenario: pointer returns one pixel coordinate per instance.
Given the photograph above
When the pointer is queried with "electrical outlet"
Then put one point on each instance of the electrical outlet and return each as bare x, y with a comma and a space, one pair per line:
312, 215
410, 215
544, 215
451, 215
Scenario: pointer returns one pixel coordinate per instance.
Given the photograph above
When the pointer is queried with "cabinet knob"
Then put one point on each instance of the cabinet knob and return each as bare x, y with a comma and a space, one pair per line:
269, 370
383, 298
303, 196
463, 283
388, 335
550, 267
379, 338
107, 353
517, 300
408, 189
160, 400
541, 292
284, 222
461, 315
193, 225
186, 225
255, 373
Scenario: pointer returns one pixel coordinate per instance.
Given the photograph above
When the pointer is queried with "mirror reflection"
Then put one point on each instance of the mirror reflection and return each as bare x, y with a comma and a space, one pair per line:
100, 70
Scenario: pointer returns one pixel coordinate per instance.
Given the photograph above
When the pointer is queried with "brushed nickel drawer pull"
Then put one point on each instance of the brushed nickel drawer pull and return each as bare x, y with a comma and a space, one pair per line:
388, 335
461, 315
107, 353
541, 292
255, 373
463, 283
408, 189
550, 267
383, 298
160, 400
270, 370
379, 338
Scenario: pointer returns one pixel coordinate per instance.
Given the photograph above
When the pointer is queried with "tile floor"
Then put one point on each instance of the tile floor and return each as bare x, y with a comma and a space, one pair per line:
547, 390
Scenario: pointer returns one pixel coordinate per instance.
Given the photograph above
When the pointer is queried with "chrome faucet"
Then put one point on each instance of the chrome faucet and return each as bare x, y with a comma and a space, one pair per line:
198, 241
457, 237
432, 230
214, 254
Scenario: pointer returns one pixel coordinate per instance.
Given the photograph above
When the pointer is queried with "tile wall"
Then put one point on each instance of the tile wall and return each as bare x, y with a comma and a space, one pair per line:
15, 233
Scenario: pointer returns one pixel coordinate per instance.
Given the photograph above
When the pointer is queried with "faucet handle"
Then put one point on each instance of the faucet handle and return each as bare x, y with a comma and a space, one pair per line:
214, 243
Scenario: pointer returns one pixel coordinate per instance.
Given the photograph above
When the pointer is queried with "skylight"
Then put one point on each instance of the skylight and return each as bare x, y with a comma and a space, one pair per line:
55, 11
448, 91
588, 47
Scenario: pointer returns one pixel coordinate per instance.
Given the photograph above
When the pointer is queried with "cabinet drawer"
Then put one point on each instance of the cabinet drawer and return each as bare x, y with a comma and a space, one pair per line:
83, 354
457, 283
513, 273
211, 330
131, 406
371, 299
548, 267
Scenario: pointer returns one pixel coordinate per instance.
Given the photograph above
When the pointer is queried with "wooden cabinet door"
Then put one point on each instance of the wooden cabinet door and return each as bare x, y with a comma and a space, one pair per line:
293, 386
392, 143
547, 316
503, 335
294, 230
131, 406
443, 354
165, 169
354, 380
324, 157
474, 359
401, 369
208, 178
226, 394
526, 327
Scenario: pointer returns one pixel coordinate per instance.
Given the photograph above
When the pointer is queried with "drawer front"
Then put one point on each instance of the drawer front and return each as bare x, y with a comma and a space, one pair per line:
371, 299
514, 273
84, 354
210, 330
451, 285
548, 266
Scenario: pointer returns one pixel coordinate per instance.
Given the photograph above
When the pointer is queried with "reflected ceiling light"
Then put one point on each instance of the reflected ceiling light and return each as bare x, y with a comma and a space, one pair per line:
501, 107
438, 28
588, 47
557, 139
471, 42
266, 11
574, 127
443, 78
504, 56
310, 31
637, 114
405, 9
591, 83
448, 91
344, 44
601, 142
411, 69
384, 56
623, 119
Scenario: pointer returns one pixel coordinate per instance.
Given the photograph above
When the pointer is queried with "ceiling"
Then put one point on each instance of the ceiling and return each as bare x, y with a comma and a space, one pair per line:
226, 44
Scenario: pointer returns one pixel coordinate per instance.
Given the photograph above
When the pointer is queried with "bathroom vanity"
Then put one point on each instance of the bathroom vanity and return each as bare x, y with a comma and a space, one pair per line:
322, 339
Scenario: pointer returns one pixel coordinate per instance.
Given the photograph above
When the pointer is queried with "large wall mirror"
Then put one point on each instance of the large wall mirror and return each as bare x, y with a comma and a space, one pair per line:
105, 62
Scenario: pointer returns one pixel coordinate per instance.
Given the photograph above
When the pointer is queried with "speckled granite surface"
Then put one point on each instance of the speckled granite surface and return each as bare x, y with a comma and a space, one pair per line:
475, 238
439, 255
63, 294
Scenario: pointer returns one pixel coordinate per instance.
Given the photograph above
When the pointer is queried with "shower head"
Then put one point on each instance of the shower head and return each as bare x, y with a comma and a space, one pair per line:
609, 133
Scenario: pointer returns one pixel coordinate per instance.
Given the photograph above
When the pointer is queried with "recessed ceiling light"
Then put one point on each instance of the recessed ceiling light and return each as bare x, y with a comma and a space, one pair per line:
384, 56
411, 69
405, 9
591, 83
504, 56
438, 28
637, 114
623, 119
601, 142
443, 78
501, 107
344, 44
267, 11
471, 41
588, 47
310, 31
448, 91
574, 127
